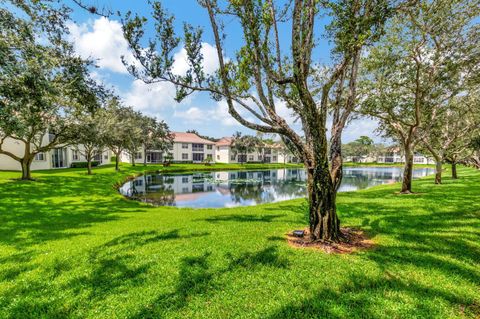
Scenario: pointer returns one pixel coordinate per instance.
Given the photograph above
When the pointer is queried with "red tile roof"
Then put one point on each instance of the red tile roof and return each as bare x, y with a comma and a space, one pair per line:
224, 141
182, 137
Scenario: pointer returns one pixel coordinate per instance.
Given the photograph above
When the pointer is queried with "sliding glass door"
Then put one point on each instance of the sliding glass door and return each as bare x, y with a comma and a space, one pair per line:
59, 157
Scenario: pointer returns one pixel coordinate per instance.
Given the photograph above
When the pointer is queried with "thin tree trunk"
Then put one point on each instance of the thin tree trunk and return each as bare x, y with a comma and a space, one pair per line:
408, 170
89, 165
324, 222
438, 171
144, 156
454, 170
117, 162
336, 170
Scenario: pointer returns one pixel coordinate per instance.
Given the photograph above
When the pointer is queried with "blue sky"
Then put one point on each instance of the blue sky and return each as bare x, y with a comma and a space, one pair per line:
101, 39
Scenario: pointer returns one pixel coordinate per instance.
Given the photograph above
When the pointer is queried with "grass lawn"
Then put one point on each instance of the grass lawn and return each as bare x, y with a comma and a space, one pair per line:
71, 246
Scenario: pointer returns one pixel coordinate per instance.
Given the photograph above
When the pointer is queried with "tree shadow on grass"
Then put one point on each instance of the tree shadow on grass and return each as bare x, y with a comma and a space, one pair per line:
56, 208
197, 277
244, 218
115, 266
359, 297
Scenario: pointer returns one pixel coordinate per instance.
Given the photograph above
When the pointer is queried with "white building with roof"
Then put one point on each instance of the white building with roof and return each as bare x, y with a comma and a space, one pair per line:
186, 148
269, 153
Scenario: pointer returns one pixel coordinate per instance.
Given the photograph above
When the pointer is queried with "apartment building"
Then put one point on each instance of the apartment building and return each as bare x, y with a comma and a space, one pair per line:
60, 157
269, 153
186, 148
393, 155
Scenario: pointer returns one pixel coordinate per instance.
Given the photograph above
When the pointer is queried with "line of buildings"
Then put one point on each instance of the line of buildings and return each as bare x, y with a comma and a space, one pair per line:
392, 155
186, 148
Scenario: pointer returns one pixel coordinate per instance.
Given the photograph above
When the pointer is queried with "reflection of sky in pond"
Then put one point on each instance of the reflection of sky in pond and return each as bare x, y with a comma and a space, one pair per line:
247, 188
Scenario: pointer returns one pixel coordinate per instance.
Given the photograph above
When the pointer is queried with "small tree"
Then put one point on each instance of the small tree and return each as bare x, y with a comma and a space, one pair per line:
451, 135
156, 136
363, 146
135, 135
89, 135
243, 144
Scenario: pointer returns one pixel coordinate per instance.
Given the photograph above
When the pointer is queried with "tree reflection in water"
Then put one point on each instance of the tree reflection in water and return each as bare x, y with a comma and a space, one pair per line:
242, 188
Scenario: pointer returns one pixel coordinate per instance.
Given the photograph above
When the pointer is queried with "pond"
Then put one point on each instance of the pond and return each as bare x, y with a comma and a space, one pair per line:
246, 188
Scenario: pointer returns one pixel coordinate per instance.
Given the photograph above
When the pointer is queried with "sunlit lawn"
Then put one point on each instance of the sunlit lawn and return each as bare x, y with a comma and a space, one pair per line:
70, 246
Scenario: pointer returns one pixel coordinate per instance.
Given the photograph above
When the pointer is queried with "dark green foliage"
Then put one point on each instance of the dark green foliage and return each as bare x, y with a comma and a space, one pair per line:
84, 164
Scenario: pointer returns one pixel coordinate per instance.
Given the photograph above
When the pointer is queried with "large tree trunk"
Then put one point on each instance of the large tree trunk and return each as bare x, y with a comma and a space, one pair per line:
324, 222
26, 163
454, 170
408, 170
438, 171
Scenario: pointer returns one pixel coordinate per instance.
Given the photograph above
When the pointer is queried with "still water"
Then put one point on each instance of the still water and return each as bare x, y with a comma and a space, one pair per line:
246, 188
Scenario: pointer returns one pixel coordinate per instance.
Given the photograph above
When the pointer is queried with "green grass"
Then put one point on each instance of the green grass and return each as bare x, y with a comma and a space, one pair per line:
70, 246
385, 164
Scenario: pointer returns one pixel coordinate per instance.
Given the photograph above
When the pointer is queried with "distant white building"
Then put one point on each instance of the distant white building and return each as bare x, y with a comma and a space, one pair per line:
393, 155
186, 148
266, 154
60, 157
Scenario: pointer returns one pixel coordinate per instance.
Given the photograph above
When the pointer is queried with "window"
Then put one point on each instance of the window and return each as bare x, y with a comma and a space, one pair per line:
184, 145
105, 156
75, 156
250, 157
40, 156
138, 155
138, 182
218, 157
185, 190
209, 157
197, 147
260, 157
218, 148
274, 158
209, 147
233, 157
184, 180
184, 156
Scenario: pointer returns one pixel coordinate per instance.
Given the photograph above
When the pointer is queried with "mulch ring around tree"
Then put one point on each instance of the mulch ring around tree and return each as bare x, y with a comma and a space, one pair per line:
352, 240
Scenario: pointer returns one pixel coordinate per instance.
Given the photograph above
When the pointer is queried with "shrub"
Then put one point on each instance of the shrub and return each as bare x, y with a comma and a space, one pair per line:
83, 164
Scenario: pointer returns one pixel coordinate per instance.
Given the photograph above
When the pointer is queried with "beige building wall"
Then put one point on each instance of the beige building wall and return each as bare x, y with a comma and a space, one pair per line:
43, 160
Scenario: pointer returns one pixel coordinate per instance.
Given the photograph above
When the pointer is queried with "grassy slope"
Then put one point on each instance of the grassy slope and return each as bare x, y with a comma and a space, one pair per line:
70, 246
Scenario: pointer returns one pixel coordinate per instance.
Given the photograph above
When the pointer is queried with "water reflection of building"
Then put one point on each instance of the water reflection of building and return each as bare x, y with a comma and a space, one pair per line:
213, 189
169, 189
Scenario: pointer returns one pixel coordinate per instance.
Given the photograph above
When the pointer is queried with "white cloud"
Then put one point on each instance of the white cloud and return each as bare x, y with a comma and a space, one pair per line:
210, 60
150, 98
102, 40
217, 114
359, 127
